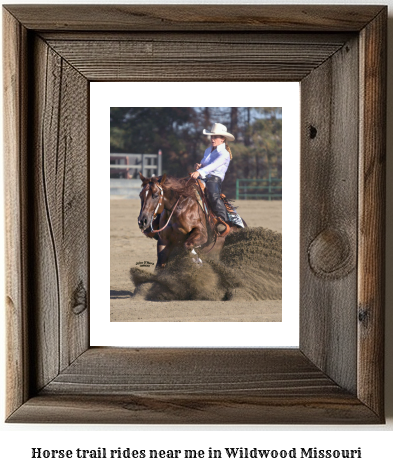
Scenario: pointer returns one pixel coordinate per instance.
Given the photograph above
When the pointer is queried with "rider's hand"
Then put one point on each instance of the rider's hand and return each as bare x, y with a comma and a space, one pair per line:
195, 174
197, 166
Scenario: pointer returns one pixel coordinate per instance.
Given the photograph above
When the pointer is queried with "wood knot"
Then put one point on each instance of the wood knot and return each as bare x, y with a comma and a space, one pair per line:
364, 316
313, 132
80, 299
330, 254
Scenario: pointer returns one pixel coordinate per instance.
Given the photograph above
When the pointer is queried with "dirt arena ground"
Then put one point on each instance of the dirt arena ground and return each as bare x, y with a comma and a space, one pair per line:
132, 251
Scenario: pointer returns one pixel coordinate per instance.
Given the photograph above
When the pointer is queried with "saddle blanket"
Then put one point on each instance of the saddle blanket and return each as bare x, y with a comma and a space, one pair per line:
235, 218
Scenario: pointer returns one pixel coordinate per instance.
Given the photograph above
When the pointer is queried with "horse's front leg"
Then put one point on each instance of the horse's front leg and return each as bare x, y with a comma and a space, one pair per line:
164, 249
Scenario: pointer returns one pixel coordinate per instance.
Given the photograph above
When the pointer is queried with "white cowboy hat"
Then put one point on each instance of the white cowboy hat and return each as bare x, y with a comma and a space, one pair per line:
220, 129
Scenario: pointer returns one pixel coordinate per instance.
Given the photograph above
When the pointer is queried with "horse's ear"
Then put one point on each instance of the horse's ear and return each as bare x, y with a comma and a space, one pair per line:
163, 178
144, 180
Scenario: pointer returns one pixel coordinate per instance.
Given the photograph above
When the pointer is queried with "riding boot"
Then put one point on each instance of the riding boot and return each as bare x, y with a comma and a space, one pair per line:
213, 188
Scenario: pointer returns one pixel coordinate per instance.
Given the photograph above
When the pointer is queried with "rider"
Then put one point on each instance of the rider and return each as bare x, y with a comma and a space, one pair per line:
213, 167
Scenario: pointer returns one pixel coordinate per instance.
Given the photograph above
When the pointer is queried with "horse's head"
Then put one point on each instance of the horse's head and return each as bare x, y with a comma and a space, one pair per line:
152, 200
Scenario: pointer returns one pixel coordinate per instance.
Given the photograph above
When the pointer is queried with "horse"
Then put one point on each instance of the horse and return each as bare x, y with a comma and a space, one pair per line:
172, 214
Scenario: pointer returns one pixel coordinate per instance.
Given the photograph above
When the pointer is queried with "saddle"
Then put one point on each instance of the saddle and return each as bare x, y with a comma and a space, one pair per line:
200, 191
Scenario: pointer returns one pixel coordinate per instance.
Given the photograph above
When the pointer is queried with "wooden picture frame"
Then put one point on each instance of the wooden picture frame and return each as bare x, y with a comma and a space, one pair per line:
338, 54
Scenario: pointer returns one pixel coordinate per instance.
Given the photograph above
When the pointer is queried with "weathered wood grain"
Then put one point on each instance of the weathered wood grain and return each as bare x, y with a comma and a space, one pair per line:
199, 371
372, 199
198, 18
60, 221
239, 409
14, 149
184, 60
193, 386
329, 169
201, 37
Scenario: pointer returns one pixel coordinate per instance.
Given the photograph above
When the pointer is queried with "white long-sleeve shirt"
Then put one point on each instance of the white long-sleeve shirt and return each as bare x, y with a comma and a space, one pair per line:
215, 163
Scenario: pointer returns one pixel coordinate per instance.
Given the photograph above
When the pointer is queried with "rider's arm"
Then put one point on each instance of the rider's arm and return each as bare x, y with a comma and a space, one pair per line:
222, 159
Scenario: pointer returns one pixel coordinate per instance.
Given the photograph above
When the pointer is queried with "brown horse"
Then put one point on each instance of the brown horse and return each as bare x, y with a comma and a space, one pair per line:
170, 213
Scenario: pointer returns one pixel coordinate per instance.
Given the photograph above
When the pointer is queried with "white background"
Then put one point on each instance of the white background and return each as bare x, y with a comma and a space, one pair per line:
375, 441
104, 95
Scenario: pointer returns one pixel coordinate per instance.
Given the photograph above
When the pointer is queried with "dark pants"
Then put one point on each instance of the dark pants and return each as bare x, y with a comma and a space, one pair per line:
213, 188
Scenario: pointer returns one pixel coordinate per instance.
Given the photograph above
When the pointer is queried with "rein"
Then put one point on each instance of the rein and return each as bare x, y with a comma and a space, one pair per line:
167, 222
158, 205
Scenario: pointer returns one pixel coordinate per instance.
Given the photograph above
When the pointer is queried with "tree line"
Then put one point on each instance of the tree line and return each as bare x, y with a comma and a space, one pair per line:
177, 132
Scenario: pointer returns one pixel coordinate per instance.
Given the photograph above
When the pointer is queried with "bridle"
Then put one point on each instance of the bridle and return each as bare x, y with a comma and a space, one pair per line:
159, 208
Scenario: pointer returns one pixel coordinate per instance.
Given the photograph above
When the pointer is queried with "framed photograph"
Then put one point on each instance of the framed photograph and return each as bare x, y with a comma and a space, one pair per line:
52, 56
245, 284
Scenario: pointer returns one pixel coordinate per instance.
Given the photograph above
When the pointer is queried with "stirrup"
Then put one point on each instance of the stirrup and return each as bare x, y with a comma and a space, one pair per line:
225, 232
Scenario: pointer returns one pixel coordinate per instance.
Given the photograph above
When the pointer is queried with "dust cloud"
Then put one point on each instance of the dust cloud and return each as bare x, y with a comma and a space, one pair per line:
249, 268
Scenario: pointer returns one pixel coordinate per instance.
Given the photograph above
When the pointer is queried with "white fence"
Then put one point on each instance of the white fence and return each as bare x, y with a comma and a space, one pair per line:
124, 165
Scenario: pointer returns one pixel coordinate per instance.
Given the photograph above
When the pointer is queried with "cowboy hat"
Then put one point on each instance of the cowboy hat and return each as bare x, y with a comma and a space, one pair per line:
219, 129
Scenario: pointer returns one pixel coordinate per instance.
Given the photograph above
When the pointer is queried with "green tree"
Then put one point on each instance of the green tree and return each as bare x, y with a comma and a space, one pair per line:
177, 132
149, 129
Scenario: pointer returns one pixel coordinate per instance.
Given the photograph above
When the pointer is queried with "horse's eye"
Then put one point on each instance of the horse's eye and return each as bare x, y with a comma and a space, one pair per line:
155, 195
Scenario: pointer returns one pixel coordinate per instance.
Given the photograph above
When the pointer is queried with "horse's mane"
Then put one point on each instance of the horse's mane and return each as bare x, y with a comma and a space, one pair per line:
185, 187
